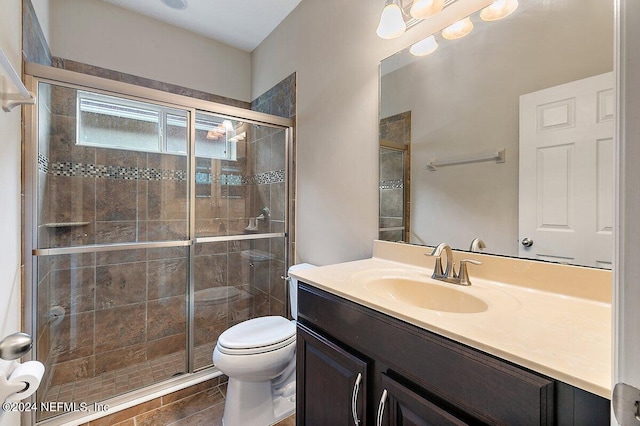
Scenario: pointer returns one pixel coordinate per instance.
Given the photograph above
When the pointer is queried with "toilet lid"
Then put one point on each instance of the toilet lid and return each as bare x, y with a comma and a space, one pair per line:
258, 333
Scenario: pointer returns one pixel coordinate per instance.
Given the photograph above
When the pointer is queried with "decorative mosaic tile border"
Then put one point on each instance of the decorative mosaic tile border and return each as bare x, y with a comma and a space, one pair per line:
276, 176
69, 169
115, 172
392, 184
43, 163
266, 178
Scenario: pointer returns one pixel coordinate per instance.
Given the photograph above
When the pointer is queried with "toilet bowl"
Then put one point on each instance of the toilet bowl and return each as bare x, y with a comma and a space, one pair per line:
258, 356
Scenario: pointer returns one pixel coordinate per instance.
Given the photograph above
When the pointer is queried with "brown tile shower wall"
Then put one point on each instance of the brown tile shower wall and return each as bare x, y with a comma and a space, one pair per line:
396, 129
120, 307
118, 205
280, 100
233, 285
123, 208
218, 214
395, 176
268, 155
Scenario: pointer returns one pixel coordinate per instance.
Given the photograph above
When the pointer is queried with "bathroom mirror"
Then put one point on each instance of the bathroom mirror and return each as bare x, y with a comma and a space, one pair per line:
510, 134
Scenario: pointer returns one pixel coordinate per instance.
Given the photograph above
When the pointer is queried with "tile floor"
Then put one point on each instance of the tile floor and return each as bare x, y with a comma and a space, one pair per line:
199, 405
118, 382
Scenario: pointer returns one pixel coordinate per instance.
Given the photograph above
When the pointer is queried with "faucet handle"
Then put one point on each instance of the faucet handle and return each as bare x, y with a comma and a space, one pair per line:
437, 268
463, 275
477, 245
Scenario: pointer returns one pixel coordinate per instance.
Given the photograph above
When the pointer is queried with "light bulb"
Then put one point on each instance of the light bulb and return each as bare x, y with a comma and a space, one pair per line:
422, 9
392, 23
458, 29
498, 10
228, 125
424, 47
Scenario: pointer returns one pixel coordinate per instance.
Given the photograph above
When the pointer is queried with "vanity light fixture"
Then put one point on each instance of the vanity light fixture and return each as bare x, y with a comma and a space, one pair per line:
424, 46
458, 29
498, 9
392, 23
214, 134
221, 129
423, 9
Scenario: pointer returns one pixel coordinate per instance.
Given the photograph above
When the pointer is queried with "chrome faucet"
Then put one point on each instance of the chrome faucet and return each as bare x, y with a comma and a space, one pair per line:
449, 274
438, 274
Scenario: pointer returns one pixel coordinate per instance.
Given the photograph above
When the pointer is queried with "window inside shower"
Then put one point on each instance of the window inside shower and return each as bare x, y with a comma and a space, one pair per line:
155, 227
111, 122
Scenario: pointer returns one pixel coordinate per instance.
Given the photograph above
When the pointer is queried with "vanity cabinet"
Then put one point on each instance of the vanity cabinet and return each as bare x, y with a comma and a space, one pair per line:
411, 376
332, 383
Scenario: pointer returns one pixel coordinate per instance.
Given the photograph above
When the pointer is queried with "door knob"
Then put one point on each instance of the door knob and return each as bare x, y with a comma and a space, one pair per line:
527, 242
625, 404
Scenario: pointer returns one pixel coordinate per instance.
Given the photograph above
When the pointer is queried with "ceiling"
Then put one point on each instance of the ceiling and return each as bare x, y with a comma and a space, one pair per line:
243, 24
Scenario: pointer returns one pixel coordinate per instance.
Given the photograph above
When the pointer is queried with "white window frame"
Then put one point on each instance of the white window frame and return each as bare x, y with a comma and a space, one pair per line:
163, 116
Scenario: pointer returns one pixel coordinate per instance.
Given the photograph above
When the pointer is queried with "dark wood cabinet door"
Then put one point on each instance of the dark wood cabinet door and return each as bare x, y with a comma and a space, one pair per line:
331, 383
400, 406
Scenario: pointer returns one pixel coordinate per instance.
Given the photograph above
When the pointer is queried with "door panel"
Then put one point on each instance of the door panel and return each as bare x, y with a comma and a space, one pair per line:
566, 172
327, 378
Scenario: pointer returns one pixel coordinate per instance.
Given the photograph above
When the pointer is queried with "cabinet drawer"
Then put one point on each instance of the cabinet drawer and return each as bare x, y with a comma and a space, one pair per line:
485, 388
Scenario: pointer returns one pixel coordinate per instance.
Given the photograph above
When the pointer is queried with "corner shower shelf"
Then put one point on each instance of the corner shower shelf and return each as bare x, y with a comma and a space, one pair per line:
12, 100
65, 224
256, 255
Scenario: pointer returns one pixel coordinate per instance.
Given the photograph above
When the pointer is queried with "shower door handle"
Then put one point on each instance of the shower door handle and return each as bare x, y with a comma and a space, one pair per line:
354, 400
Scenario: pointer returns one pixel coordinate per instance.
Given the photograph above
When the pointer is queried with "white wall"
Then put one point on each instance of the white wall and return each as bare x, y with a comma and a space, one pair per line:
98, 33
333, 46
10, 152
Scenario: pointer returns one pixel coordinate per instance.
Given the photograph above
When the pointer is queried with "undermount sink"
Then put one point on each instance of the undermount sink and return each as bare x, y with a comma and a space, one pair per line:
425, 295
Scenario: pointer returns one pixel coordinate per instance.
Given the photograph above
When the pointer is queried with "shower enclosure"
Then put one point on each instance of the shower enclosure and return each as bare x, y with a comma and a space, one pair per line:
153, 223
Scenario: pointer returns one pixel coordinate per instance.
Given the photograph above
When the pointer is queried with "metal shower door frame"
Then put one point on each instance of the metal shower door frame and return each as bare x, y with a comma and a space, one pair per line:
35, 74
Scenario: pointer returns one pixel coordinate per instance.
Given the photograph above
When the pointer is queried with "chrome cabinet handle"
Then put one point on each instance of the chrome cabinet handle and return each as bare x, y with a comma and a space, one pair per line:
354, 400
383, 399
527, 242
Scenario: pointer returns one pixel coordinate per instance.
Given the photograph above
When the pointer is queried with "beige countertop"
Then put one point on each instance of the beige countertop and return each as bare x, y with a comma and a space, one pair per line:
556, 333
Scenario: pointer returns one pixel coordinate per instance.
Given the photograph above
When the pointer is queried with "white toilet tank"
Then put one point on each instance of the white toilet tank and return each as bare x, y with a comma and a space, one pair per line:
293, 287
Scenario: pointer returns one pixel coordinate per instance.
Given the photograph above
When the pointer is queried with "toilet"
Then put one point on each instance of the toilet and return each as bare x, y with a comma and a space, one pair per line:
259, 357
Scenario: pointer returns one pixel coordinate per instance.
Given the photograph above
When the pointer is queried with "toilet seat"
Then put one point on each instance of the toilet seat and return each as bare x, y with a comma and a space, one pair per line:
258, 335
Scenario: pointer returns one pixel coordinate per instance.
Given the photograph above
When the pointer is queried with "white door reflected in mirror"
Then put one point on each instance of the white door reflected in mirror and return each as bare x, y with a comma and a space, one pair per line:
566, 172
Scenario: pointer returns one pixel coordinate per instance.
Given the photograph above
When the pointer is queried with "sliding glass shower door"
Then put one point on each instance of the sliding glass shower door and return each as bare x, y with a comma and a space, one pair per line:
155, 227
240, 246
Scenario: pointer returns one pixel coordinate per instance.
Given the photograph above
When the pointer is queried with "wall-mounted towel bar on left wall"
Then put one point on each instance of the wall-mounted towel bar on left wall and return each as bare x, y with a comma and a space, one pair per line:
12, 100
